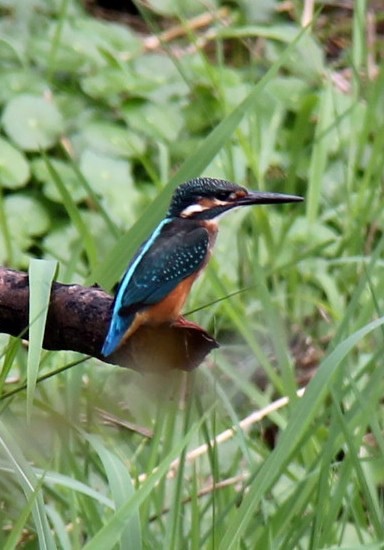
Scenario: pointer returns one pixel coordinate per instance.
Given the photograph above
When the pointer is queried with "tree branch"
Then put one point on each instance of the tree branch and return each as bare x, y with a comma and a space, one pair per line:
78, 319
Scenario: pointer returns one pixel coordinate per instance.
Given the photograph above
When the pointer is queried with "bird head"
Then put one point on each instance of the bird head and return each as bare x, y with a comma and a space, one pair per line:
208, 198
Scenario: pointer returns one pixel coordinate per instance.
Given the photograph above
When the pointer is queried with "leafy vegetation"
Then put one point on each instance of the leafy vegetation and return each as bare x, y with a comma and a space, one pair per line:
99, 123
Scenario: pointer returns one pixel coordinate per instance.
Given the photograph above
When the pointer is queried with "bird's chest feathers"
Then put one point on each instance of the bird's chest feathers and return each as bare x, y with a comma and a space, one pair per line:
170, 307
212, 228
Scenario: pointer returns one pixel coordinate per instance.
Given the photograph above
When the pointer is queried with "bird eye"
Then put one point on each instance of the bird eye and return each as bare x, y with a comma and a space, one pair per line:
224, 195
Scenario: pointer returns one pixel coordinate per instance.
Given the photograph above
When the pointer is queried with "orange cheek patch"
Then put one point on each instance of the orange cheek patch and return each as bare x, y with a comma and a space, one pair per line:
208, 203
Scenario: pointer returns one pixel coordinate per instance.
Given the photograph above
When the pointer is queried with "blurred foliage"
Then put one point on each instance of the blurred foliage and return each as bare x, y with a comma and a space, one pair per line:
89, 90
98, 119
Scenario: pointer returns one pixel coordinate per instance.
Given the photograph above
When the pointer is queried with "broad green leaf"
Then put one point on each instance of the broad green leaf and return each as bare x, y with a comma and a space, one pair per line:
61, 242
260, 12
29, 209
64, 243
32, 122
82, 44
111, 178
113, 140
159, 86
158, 121
12, 45
288, 90
65, 173
17, 238
14, 168
107, 84
18, 81
306, 58
113, 37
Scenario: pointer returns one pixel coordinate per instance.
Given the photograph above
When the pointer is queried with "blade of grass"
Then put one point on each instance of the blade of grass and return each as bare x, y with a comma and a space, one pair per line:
13, 541
122, 490
91, 193
55, 44
74, 214
173, 538
111, 532
60, 528
371, 501
235, 420
319, 154
361, 286
9, 357
239, 322
302, 415
53, 478
41, 274
43, 377
195, 513
5, 231
29, 485
359, 36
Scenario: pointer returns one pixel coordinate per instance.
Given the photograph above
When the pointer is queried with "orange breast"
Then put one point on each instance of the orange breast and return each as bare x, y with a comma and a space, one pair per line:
167, 310
170, 308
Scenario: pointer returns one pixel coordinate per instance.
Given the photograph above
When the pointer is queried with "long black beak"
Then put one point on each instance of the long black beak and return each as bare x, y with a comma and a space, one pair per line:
260, 197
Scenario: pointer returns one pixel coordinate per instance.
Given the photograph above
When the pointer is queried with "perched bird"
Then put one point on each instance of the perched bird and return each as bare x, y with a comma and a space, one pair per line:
158, 280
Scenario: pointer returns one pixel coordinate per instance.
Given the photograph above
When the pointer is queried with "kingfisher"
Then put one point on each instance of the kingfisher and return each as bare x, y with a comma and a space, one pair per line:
159, 278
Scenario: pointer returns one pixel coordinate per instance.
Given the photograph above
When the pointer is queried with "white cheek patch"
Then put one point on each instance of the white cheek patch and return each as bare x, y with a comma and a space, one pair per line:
193, 209
201, 207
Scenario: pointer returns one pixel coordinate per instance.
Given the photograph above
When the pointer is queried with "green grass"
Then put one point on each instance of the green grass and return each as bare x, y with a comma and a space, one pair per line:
96, 456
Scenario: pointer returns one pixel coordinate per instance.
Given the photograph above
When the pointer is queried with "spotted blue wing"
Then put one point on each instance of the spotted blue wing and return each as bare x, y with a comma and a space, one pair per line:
160, 271
175, 251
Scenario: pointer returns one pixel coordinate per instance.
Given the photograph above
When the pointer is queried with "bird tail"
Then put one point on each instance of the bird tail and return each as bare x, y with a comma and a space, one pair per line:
118, 327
